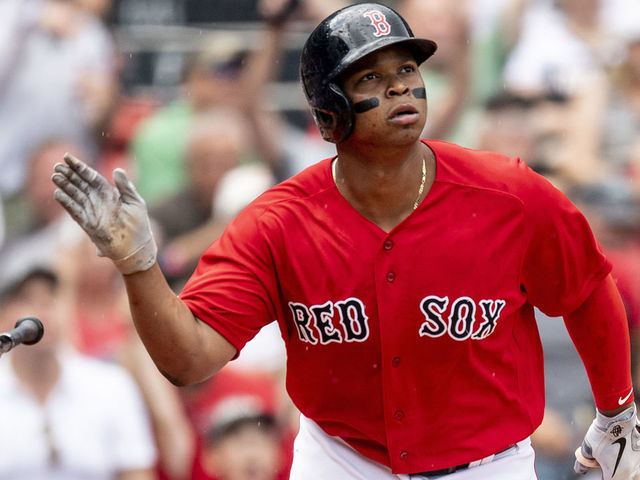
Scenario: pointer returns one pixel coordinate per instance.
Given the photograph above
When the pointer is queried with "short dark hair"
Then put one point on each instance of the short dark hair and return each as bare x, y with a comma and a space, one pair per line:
264, 423
13, 287
508, 99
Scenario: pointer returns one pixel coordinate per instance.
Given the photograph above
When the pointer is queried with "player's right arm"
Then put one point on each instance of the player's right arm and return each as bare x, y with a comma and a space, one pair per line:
185, 349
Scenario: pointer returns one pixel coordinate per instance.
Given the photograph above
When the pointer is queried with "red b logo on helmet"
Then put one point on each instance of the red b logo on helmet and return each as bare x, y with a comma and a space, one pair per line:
379, 22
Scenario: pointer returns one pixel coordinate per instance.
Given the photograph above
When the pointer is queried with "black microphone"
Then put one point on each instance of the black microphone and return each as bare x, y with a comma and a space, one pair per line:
28, 330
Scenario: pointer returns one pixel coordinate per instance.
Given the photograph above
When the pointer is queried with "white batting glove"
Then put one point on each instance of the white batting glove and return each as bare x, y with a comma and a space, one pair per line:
612, 444
115, 218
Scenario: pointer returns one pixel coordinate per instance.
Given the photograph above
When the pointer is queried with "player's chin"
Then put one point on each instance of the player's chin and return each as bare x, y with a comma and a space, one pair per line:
405, 134
386, 139
387, 134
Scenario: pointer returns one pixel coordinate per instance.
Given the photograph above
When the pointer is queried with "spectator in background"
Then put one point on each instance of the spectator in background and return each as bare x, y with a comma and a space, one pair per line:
33, 209
526, 126
36, 227
225, 72
100, 326
496, 30
238, 417
614, 214
217, 142
222, 73
449, 76
57, 79
211, 79
39, 231
562, 45
236, 426
619, 122
293, 148
601, 142
468, 68
509, 127
65, 416
567, 48
175, 436
99, 320
128, 114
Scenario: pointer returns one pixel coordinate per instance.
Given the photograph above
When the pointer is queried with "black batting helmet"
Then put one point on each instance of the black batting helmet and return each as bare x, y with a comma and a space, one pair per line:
337, 42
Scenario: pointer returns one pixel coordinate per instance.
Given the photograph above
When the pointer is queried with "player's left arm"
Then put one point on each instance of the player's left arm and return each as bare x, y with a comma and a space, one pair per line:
600, 332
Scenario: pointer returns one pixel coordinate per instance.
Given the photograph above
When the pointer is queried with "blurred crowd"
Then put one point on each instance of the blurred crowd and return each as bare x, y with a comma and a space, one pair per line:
204, 122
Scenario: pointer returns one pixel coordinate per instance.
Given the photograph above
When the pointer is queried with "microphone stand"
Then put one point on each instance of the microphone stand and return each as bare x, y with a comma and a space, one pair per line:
15, 337
6, 344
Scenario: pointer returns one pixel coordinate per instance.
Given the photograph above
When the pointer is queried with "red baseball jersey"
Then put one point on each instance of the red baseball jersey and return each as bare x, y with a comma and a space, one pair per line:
418, 347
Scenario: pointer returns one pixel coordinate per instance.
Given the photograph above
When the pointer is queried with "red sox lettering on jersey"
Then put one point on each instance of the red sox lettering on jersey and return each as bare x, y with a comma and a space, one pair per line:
347, 320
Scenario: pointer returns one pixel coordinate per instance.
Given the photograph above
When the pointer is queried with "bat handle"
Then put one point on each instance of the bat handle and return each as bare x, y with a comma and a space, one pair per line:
587, 462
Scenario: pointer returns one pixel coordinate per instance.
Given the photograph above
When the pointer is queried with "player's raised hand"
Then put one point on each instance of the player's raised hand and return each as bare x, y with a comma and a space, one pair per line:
114, 217
612, 444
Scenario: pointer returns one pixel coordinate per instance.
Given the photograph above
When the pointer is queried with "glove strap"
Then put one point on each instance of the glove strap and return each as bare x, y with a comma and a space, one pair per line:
603, 422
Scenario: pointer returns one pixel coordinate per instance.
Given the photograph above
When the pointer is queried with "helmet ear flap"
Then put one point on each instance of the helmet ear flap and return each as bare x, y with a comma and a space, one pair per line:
326, 121
335, 120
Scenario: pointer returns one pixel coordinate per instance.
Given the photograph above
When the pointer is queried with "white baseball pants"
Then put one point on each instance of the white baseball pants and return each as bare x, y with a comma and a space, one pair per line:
318, 456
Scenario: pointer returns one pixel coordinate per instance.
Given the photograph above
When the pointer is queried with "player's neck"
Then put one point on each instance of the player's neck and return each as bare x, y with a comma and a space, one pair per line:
385, 186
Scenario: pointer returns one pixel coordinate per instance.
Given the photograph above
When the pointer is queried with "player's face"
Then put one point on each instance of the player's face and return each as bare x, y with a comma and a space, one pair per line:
36, 297
249, 453
388, 95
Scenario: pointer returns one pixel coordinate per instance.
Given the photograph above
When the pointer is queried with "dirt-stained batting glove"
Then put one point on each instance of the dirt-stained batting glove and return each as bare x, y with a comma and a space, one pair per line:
114, 217
612, 444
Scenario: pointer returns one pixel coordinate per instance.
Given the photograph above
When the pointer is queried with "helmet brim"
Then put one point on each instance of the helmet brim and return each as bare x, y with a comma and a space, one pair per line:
422, 48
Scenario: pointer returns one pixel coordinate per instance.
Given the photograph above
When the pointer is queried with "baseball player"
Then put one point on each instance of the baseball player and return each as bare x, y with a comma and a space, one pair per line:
403, 274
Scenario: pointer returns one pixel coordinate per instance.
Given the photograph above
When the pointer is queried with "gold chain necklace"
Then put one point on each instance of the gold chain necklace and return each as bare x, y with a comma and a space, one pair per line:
334, 172
422, 182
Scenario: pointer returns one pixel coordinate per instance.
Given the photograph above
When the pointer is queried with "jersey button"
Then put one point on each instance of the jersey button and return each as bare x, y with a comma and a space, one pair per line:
395, 362
399, 415
404, 454
388, 244
391, 276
